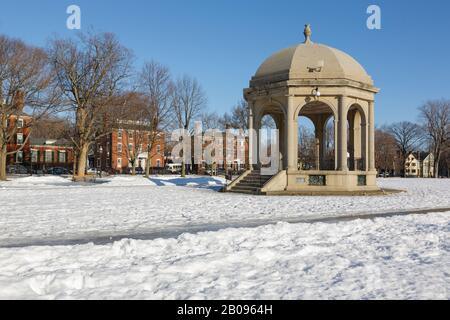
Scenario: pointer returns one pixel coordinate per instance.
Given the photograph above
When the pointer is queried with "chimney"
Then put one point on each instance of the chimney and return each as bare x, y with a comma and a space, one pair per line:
19, 100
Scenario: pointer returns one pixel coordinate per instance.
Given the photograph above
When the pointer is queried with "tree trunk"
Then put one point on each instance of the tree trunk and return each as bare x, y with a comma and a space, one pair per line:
147, 165
436, 166
3, 163
133, 168
183, 169
81, 167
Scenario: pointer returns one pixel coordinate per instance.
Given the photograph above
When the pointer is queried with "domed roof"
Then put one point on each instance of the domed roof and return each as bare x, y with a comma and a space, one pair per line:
311, 61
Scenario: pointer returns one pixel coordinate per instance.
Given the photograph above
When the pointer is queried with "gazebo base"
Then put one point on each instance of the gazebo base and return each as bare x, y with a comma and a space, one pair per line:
380, 192
291, 182
320, 182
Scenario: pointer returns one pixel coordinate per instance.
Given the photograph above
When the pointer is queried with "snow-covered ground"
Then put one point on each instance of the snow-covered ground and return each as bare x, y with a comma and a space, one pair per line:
397, 258
405, 257
48, 207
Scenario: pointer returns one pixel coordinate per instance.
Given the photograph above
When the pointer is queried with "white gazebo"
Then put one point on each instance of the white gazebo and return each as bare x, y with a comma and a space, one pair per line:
329, 87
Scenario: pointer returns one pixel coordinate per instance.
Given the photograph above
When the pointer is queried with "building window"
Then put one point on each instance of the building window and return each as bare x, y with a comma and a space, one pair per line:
158, 163
119, 134
48, 156
158, 149
62, 157
130, 147
20, 123
119, 163
19, 156
130, 134
119, 148
34, 156
20, 138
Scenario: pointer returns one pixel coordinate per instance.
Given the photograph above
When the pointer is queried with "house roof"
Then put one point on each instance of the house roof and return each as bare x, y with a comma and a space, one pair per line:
50, 142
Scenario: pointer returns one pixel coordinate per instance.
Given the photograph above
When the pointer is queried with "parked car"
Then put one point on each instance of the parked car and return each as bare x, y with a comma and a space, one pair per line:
92, 171
57, 171
139, 170
17, 169
173, 167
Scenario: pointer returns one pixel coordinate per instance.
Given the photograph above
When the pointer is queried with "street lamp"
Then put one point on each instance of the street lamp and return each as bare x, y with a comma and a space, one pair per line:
101, 158
316, 92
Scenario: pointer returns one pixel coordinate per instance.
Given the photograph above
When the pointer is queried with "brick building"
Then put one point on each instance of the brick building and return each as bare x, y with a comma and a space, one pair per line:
128, 141
237, 153
46, 153
18, 126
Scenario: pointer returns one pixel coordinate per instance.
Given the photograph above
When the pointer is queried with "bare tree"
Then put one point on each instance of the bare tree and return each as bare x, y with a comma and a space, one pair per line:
238, 118
129, 115
386, 159
306, 148
211, 120
407, 137
51, 127
436, 119
90, 71
26, 81
189, 100
155, 83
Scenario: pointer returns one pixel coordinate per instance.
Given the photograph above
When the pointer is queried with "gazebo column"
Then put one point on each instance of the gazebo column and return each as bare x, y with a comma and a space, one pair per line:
323, 147
251, 137
319, 125
291, 135
342, 134
364, 145
257, 125
358, 141
371, 140
351, 140
279, 119
336, 146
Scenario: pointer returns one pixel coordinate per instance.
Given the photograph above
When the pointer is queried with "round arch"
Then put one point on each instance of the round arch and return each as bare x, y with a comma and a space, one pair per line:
357, 138
322, 101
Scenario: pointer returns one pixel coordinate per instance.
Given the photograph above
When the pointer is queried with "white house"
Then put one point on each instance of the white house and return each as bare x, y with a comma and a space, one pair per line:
419, 164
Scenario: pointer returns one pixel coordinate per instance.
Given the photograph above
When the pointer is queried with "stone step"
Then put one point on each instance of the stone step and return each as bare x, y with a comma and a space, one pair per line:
249, 183
246, 187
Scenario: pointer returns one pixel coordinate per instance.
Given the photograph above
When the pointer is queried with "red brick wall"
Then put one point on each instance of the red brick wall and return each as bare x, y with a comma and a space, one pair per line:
110, 155
12, 143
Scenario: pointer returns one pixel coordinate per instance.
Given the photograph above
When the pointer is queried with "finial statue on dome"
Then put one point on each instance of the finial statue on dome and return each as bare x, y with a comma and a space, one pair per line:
307, 33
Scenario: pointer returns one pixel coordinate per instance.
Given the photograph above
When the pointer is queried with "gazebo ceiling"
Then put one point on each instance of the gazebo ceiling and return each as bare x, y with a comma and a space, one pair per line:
316, 108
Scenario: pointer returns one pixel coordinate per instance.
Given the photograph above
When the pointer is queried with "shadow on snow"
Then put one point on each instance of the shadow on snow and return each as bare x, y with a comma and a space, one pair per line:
194, 182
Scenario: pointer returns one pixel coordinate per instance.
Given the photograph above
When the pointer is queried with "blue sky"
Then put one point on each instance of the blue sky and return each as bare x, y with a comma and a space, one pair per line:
222, 43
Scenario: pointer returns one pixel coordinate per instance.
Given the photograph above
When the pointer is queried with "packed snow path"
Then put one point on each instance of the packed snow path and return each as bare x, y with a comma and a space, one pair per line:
174, 232
53, 210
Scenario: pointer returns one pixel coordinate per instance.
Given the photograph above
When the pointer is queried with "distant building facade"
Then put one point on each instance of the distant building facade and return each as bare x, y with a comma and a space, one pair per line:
18, 126
50, 153
128, 141
419, 165
223, 154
